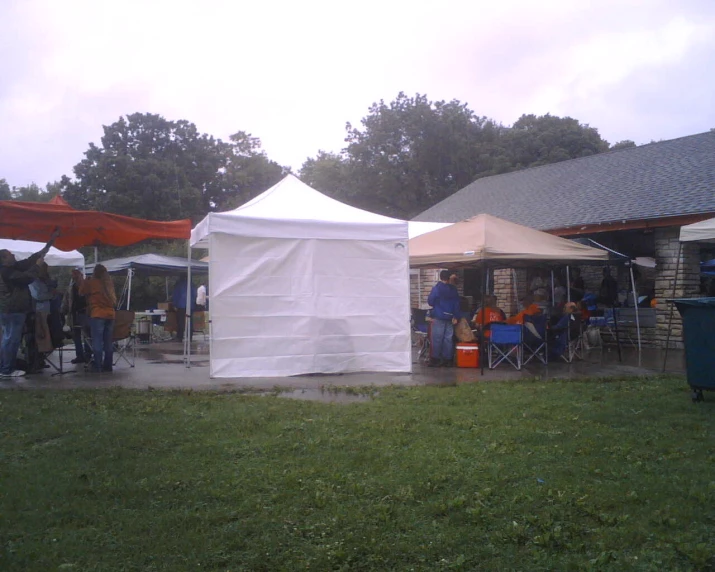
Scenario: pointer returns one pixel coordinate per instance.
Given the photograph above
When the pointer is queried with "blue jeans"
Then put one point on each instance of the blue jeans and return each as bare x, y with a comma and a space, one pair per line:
12, 325
82, 350
442, 345
102, 330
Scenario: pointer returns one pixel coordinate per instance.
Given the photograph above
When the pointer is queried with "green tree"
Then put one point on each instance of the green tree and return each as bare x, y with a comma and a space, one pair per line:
149, 167
625, 144
5, 192
328, 173
31, 193
412, 153
248, 171
540, 140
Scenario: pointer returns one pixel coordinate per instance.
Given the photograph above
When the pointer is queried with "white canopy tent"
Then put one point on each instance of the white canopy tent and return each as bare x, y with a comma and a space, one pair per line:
703, 231
26, 248
301, 283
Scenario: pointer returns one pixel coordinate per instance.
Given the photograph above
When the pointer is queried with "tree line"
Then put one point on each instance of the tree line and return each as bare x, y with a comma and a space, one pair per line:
404, 157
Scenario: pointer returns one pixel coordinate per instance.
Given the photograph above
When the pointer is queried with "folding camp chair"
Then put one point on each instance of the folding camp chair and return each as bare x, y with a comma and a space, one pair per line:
535, 338
574, 339
506, 343
124, 338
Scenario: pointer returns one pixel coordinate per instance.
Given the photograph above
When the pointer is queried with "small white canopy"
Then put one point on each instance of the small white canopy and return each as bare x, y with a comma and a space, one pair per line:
486, 238
703, 231
301, 283
26, 248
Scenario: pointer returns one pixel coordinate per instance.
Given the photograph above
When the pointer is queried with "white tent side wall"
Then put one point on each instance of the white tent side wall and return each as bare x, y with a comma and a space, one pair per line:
290, 306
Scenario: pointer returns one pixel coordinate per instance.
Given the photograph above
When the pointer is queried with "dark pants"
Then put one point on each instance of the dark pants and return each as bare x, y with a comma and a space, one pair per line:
12, 325
102, 330
181, 324
83, 351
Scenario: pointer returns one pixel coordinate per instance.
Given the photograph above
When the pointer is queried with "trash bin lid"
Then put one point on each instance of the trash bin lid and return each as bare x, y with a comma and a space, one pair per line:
684, 303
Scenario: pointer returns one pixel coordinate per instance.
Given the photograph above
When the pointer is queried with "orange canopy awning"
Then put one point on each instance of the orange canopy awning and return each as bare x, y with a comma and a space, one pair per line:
36, 221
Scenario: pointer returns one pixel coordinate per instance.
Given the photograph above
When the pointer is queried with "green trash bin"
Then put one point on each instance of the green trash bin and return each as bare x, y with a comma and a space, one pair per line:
699, 334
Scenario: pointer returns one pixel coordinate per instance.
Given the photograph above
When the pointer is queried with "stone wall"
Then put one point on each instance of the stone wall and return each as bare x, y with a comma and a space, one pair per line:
421, 283
507, 291
688, 281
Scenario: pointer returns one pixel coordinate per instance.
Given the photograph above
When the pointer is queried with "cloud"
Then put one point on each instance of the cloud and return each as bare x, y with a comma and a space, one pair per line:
292, 73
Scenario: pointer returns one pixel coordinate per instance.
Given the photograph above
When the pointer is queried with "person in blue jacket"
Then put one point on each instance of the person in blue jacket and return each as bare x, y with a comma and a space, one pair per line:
445, 313
178, 301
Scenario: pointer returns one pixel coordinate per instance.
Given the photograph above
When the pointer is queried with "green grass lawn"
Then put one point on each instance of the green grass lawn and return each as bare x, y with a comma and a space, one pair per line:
488, 476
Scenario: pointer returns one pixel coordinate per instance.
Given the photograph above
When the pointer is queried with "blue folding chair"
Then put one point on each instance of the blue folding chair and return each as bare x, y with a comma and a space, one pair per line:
506, 343
535, 338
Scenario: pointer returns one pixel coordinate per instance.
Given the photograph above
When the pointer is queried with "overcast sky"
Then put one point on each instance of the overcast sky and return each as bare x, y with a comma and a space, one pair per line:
293, 72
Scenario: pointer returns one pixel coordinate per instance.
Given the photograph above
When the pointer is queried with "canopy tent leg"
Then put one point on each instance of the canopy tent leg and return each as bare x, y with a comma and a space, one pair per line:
615, 327
482, 349
635, 304
96, 255
670, 316
130, 274
187, 317
568, 284
166, 287
553, 289
516, 289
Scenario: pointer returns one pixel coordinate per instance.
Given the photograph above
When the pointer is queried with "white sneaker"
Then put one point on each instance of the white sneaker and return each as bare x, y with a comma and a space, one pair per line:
16, 373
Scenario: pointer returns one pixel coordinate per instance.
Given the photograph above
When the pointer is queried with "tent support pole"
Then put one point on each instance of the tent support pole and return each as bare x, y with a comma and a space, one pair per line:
670, 317
553, 290
187, 317
96, 255
516, 289
615, 326
482, 349
568, 284
129, 288
635, 304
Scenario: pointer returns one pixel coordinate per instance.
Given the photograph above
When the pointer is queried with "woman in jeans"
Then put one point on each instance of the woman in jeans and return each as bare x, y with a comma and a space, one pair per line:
99, 291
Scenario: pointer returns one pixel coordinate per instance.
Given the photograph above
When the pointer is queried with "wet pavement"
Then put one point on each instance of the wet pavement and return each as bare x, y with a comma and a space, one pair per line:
160, 366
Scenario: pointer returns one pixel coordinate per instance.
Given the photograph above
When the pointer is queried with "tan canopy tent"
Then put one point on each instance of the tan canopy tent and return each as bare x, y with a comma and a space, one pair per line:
485, 238
491, 242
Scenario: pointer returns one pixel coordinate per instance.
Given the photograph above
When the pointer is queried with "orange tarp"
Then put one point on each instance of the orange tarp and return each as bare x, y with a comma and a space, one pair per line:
36, 221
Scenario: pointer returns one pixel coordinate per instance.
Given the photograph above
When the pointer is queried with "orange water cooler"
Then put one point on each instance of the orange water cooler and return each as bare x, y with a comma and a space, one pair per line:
467, 355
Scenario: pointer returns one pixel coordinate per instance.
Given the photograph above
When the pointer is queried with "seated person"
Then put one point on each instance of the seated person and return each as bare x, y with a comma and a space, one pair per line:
557, 346
488, 314
529, 309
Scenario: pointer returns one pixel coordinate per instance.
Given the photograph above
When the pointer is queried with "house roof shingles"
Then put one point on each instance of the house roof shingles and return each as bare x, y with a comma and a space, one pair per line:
658, 180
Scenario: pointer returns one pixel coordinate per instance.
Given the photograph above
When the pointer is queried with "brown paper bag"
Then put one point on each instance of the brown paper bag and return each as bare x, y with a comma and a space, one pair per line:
463, 331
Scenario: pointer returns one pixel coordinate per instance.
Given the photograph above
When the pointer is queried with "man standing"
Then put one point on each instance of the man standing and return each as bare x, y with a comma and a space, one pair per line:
16, 303
445, 313
178, 300
608, 293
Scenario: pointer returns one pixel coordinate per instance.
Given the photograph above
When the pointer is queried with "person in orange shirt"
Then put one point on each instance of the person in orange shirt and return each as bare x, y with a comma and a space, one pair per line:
530, 309
489, 313
101, 298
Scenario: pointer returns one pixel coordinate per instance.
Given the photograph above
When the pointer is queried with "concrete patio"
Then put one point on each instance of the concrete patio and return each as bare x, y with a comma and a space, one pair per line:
160, 366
